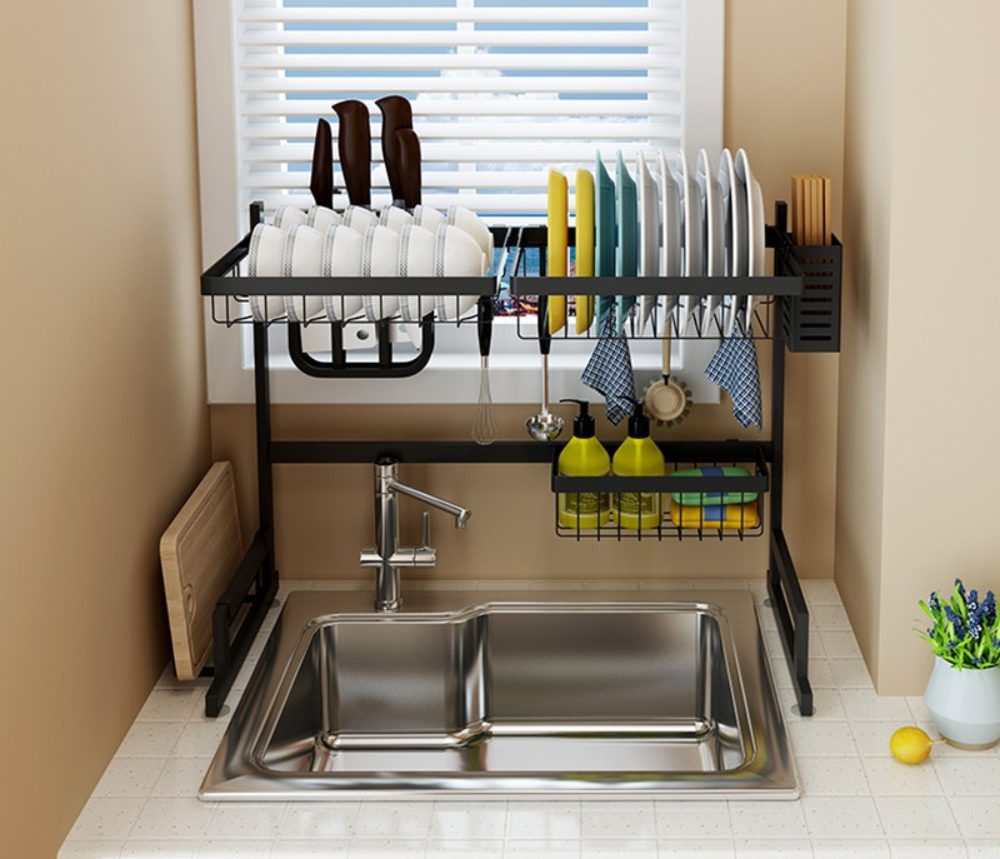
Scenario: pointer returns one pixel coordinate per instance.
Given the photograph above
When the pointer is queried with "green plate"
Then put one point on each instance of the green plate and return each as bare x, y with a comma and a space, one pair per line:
713, 499
605, 232
627, 258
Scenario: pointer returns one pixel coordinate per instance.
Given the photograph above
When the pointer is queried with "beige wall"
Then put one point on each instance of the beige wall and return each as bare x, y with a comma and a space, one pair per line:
323, 513
868, 138
925, 178
105, 430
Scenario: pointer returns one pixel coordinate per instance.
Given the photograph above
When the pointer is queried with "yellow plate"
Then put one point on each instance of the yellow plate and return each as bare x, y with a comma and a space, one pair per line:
558, 245
584, 246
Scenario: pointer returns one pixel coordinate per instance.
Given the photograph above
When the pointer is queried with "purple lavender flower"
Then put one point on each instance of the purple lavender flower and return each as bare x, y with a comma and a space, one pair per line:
961, 588
972, 600
989, 607
955, 621
975, 627
935, 603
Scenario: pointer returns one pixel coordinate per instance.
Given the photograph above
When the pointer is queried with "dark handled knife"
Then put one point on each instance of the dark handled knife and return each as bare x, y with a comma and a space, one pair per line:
396, 115
409, 166
321, 181
354, 144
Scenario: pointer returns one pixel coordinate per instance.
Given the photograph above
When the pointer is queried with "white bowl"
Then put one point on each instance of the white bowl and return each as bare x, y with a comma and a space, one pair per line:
395, 218
321, 218
266, 259
286, 217
470, 222
341, 258
416, 259
428, 218
303, 258
380, 258
359, 218
456, 254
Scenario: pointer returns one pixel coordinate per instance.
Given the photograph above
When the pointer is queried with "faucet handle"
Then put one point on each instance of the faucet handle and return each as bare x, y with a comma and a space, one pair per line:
426, 530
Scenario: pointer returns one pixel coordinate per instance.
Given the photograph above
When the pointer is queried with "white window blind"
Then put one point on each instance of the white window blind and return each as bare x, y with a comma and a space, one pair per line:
500, 89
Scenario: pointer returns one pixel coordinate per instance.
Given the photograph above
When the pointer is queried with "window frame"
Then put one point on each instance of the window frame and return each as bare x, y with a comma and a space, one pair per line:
453, 373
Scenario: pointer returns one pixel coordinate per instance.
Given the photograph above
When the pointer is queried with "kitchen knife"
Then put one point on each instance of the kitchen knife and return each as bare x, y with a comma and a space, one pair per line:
409, 166
354, 144
321, 181
396, 115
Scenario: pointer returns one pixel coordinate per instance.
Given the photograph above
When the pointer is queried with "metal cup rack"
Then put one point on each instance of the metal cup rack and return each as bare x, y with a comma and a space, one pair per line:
798, 310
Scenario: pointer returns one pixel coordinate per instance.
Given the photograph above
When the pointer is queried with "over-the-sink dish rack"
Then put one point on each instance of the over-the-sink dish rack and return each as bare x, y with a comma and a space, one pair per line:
797, 309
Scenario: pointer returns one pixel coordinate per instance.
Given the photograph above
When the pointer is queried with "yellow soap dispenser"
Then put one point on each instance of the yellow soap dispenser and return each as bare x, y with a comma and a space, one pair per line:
638, 456
584, 456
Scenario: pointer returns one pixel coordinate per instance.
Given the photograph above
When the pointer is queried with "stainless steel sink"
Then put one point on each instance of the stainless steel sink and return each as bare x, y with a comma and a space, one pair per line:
629, 692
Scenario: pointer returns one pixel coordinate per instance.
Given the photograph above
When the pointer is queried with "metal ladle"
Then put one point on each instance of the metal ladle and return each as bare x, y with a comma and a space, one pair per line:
544, 426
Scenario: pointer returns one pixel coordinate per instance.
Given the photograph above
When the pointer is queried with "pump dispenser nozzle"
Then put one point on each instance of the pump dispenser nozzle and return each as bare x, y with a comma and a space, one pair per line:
638, 423
584, 425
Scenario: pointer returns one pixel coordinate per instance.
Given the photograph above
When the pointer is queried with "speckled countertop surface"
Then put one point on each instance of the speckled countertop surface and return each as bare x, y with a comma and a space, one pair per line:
856, 800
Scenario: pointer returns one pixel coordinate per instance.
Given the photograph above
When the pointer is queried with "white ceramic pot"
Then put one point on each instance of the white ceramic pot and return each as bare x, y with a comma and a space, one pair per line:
965, 704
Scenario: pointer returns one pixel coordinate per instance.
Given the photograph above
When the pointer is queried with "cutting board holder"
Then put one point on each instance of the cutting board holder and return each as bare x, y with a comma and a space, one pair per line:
800, 312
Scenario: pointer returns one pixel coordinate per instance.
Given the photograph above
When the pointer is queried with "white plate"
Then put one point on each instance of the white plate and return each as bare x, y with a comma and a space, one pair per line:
715, 244
672, 225
469, 222
286, 217
395, 218
322, 218
648, 201
727, 180
456, 254
341, 258
380, 258
303, 258
694, 251
758, 244
359, 218
416, 259
741, 239
265, 258
744, 199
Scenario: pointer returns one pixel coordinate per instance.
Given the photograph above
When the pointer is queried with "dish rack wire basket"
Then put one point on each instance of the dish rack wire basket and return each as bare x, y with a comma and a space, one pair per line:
807, 278
688, 505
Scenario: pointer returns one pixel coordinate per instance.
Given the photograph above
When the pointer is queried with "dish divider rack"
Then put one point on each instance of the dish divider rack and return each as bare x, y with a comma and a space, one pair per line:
798, 309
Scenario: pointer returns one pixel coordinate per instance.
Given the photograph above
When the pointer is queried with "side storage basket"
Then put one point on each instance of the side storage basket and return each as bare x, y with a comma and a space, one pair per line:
812, 320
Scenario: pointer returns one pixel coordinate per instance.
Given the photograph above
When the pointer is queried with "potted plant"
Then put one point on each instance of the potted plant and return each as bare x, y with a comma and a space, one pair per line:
963, 694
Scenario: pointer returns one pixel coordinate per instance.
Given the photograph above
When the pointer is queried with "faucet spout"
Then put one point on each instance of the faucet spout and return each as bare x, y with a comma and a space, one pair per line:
460, 513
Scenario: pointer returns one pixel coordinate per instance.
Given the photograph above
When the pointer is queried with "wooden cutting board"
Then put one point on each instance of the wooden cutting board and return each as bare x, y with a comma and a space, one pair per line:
199, 553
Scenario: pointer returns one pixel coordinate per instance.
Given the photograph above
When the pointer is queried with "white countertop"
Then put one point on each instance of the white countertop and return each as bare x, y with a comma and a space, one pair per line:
856, 800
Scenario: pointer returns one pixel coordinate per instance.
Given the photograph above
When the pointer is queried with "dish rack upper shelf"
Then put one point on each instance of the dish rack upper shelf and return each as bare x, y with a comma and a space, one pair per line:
800, 302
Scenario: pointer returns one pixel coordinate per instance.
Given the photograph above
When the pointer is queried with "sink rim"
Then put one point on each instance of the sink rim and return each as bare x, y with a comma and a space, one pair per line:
238, 770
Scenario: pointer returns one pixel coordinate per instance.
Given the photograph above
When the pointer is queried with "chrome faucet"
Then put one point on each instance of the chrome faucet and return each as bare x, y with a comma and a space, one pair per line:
387, 557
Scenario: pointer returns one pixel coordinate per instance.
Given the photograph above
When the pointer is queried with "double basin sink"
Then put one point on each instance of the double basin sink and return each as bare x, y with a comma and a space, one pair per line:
627, 693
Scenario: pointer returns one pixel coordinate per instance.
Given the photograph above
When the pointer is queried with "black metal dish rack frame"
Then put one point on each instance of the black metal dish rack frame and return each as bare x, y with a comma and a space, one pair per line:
804, 300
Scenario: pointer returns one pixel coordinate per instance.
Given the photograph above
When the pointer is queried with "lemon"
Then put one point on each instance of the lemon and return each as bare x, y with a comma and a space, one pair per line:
910, 746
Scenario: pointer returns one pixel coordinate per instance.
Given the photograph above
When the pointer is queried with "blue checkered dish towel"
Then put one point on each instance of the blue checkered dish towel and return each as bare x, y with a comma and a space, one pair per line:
609, 371
734, 369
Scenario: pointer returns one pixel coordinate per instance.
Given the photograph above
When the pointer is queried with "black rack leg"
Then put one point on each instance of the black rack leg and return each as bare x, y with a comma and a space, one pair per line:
257, 570
782, 580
